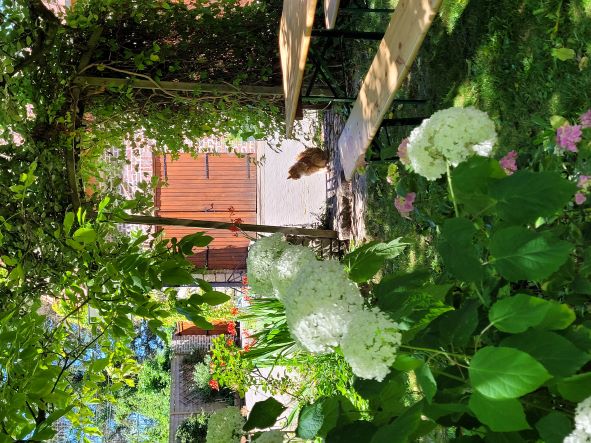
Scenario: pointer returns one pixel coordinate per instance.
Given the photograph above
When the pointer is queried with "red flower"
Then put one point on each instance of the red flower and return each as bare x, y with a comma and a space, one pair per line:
232, 328
237, 221
229, 342
234, 311
247, 348
213, 384
244, 279
246, 297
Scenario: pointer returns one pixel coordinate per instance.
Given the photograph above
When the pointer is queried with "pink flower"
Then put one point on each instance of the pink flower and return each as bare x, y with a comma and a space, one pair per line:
585, 119
508, 162
404, 205
17, 138
568, 136
580, 198
30, 109
583, 180
403, 152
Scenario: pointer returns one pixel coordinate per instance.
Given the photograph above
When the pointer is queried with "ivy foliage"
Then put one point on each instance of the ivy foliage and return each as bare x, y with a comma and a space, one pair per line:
71, 286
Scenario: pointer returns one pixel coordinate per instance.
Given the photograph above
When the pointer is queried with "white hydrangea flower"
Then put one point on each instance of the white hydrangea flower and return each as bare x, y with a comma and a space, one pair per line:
582, 431
450, 136
288, 266
370, 344
262, 258
225, 426
319, 303
270, 437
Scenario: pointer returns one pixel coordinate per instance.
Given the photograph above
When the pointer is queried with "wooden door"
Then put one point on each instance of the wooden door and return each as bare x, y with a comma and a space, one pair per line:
215, 187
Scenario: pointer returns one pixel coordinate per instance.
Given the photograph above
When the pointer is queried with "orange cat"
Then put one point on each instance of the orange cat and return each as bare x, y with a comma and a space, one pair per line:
308, 162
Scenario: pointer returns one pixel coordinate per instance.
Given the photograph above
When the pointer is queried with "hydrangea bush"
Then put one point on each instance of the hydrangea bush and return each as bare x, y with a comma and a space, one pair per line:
225, 426
321, 304
449, 137
497, 345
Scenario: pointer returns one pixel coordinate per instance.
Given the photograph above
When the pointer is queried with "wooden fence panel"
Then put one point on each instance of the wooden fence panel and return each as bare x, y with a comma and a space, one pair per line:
213, 187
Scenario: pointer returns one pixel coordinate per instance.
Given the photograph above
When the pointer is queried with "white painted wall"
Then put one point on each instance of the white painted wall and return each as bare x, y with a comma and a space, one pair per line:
286, 202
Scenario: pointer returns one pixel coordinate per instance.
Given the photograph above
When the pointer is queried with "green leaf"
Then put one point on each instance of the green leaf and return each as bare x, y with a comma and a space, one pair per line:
521, 254
437, 410
196, 240
193, 313
355, 432
264, 414
563, 54
501, 373
405, 362
518, 313
84, 235
456, 327
364, 262
68, 222
401, 429
505, 415
575, 388
456, 246
554, 427
472, 180
318, 418
176, 277
214, 298
526, 195
580, 336
558, 355
426, 382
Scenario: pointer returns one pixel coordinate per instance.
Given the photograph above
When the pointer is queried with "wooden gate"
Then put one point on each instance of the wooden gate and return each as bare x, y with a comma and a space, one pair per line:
215, 187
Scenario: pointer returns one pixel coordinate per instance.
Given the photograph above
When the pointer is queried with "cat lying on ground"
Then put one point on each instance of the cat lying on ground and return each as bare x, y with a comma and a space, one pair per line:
309, 161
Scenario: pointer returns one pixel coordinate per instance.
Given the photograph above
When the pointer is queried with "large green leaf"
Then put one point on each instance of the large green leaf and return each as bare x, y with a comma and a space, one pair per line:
401, 429
456, 327
426, 381
214, 298
522, 254
457, 250
310, 421
575, 388
364, 262
554, 427
84, 235
264, 414
176, 277
193, 313
558, 355
526, 195
505, 415
501, 373
518, 313
198, 239
471, 181
355, 432
318, 418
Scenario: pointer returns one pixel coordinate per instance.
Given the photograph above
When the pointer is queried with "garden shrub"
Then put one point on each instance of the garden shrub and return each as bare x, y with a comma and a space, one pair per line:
193, 429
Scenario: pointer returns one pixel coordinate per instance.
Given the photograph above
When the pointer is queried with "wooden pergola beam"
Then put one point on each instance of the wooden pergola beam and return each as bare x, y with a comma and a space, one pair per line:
223, 88
206, 224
